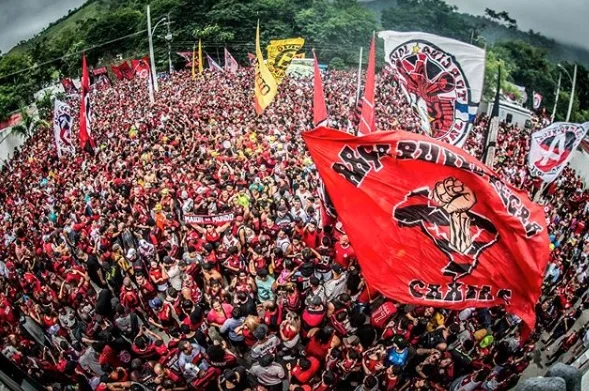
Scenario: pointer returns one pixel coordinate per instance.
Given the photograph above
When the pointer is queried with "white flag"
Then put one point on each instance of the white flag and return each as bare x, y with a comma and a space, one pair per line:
62, 124
442, 79
537, 100
553, 147
213, 65
231, 64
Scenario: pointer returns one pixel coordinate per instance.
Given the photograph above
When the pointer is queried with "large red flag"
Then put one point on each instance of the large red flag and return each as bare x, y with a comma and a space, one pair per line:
319, 109
367, 120
117, 71
86, 141
126, 70
141, 67
430, 224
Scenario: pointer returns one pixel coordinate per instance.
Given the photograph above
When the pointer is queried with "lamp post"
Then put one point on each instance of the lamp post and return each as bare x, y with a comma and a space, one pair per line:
150, 33
573, 82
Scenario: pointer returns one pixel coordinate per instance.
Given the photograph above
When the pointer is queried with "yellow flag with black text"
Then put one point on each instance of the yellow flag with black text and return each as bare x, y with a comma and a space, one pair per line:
280, 55
265, 86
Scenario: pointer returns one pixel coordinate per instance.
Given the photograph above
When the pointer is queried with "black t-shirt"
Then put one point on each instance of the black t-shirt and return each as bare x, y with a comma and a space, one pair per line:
93, 266
103, 303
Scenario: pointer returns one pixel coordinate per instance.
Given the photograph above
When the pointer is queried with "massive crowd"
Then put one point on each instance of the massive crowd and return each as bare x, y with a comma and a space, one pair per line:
104, 286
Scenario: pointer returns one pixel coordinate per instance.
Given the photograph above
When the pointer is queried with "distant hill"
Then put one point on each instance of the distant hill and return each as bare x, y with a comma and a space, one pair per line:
90, 9
494, 32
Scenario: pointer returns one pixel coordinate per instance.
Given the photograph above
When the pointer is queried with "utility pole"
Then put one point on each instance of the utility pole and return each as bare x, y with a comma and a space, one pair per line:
556, 98
151, 55
572, 94
359, 77
169, 39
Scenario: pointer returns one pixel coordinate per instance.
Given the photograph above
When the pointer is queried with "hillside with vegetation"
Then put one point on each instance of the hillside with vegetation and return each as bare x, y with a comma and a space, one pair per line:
111, 29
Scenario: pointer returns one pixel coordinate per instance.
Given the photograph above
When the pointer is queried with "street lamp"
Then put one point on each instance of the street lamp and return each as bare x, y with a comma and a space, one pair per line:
150, 33
573, 82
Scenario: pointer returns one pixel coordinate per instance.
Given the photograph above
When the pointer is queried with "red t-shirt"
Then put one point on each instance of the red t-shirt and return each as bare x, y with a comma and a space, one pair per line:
303, 376
343, 255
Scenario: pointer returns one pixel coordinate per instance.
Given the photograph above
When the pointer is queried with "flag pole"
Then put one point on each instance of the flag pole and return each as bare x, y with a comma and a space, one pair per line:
556, 98
492, 127
151, 55
359, 76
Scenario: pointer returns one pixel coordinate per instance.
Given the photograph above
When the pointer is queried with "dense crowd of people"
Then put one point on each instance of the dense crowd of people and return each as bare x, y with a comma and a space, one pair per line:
105, 286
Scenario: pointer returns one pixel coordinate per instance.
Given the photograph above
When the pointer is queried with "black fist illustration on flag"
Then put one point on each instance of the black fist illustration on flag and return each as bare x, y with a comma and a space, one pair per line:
445, 214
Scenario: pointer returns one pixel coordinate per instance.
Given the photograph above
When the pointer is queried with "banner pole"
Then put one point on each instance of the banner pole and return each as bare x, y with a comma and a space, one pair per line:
359, 77
556, 98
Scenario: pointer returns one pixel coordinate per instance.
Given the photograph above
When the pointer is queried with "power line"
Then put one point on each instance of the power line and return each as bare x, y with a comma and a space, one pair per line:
72, 54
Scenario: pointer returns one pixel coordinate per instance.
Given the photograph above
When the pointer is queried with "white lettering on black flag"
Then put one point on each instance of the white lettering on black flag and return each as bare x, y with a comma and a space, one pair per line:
552, 148
442, 79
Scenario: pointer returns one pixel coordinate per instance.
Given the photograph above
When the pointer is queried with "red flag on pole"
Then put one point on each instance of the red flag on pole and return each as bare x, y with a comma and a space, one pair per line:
367, 121
430, 224
141, 67
319, 109
86, 141
126, 70
117, 71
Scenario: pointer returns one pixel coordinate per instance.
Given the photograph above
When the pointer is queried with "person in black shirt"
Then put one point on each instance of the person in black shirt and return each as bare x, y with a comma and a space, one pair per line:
94, 269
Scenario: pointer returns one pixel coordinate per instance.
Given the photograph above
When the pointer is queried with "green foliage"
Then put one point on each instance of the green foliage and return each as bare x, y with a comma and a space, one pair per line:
337, 63
29, 124
45, 106
432, 16
335, 28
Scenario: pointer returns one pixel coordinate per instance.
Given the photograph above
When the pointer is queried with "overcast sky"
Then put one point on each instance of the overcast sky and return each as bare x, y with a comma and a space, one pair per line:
564, 20
22, 19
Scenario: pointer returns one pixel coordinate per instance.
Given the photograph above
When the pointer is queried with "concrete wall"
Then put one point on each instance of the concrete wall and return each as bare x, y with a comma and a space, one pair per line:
8, 143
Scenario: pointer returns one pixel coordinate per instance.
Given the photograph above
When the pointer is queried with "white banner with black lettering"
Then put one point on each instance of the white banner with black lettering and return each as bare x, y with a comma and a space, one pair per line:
552, 148
442, 79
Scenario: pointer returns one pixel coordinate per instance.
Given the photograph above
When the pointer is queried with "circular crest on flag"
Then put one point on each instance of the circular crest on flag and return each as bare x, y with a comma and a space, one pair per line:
435, 85
555, 147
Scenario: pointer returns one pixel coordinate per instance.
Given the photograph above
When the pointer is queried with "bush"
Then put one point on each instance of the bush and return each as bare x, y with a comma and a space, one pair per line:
337, 63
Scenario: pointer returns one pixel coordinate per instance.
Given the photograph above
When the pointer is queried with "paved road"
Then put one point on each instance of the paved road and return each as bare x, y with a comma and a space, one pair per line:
534, 370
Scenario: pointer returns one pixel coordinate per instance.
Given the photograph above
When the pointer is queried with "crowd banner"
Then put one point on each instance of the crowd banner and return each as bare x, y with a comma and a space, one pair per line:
442, 79
101, 78
68, 86
552, 148
141, 67
218, 219
537, 100
87, 142
126, 70
265, 86
451, 233
117, 71
62, 125
213, 64
231, 64
280, 54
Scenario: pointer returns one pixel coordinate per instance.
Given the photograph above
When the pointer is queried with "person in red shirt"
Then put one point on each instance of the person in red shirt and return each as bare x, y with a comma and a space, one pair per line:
344, 253
304, 370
